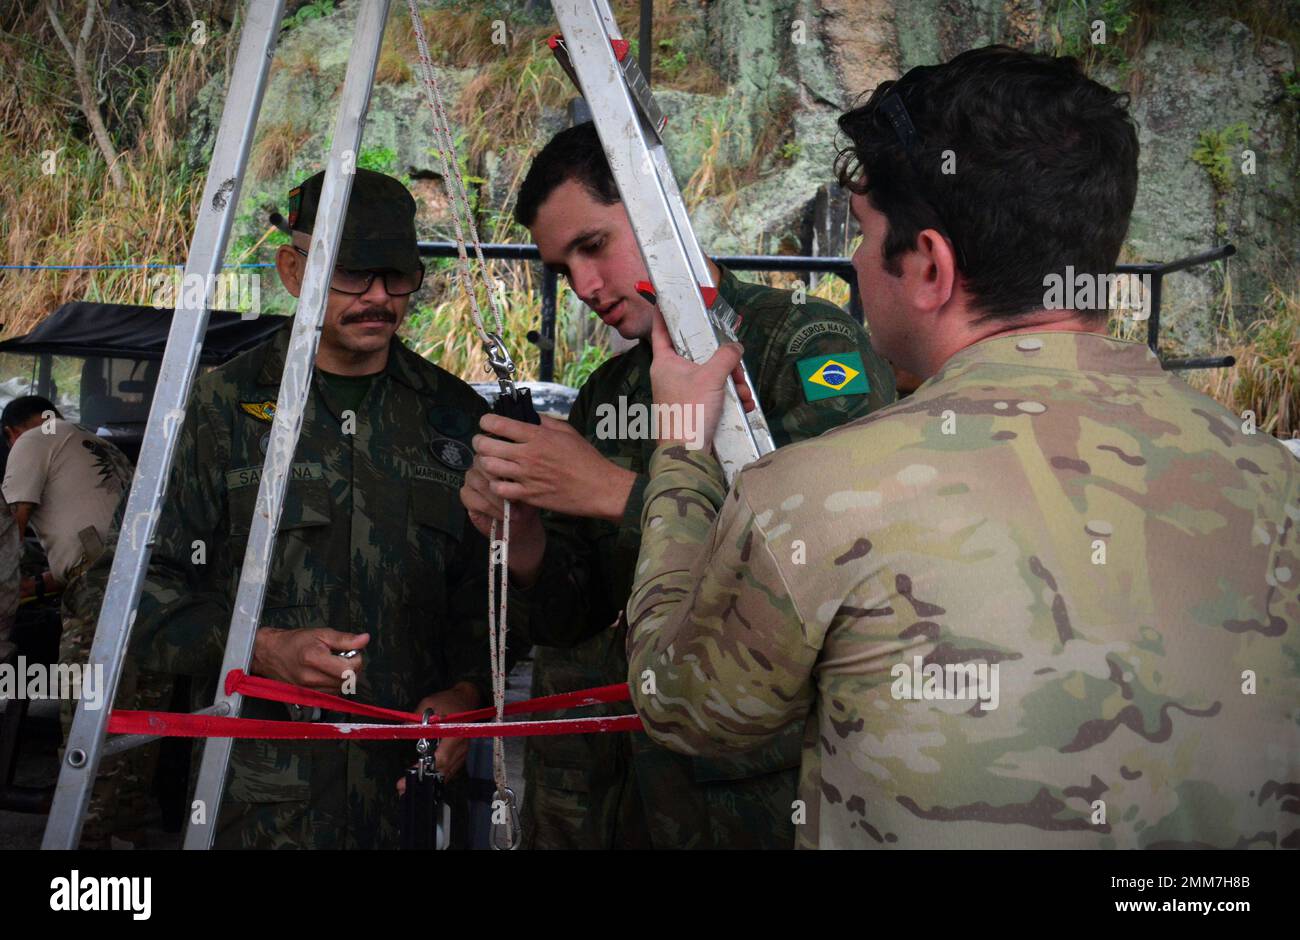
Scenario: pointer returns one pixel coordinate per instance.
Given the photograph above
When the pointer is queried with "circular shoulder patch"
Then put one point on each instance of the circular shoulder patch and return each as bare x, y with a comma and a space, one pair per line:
452, 453
451, 421
264, 442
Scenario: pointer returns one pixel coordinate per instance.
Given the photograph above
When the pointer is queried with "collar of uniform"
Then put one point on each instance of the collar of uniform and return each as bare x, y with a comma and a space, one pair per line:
732, 290
397, 368
1056, 349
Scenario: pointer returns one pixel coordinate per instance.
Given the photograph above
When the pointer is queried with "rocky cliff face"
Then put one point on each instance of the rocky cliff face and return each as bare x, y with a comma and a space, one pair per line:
1210, 95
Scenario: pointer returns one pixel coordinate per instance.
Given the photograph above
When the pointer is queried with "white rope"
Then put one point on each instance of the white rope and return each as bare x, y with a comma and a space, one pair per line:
459, 197
497, 636
463, 217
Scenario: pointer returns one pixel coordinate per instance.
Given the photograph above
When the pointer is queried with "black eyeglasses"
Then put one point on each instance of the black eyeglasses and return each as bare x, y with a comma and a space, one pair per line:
396, 283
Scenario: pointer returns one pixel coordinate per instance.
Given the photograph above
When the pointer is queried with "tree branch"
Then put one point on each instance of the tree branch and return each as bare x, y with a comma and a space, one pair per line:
84, 85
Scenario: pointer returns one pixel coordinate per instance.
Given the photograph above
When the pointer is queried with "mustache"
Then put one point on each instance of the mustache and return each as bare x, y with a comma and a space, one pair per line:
378, 313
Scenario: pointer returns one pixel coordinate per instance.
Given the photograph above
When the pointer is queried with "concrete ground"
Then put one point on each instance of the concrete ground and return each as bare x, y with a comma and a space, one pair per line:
38, 766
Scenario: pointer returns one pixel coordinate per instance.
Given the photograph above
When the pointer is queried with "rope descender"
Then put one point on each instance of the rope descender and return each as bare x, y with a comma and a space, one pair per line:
499, 361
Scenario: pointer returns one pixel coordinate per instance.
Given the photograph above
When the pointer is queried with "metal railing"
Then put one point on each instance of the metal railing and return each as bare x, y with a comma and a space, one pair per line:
544, 338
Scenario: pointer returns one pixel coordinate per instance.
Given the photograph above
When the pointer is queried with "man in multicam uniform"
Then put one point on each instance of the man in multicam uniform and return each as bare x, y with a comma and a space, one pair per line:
604, 791
372, 554
1051, 599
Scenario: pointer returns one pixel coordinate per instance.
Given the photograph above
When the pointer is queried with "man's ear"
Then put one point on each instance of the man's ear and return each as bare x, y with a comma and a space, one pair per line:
931, 270
288, 263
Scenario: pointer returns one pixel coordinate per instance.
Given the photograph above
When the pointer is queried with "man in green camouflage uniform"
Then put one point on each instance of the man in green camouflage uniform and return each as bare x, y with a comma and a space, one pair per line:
372, 552
602, 791
1050, 600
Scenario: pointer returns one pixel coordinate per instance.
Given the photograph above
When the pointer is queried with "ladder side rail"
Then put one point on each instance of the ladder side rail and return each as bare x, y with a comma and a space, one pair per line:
295, 387
621, 128
659, 154
85, 744
758, 427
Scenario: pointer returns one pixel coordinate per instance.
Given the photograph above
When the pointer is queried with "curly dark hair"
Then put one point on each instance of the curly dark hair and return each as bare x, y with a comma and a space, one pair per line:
1022, 161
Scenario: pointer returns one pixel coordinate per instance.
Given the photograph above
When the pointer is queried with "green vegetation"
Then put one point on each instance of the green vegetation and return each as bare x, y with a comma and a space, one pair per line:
379, 159
1099, 33
308, 12
1293, 86
1217, 152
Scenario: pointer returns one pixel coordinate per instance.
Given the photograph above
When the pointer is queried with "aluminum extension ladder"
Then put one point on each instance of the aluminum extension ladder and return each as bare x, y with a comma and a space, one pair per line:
628, 123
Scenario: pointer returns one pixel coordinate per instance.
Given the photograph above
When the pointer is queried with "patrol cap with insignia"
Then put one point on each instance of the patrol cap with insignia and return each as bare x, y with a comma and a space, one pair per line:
379, 231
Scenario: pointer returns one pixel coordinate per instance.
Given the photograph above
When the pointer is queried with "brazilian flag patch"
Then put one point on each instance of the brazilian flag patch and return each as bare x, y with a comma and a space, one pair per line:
830, 376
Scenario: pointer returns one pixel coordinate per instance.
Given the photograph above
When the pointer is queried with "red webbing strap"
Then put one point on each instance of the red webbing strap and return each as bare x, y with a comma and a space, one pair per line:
168, 725
460, 725
273, 690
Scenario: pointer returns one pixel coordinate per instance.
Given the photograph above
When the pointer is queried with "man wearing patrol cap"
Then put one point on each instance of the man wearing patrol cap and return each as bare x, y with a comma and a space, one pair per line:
373, 557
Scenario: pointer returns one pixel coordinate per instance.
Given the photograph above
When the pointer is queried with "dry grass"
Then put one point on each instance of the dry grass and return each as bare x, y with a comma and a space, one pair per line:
304, 64
677, 64
392, 69
1266, 377
516, 79
712, 179
277, 144
74, 215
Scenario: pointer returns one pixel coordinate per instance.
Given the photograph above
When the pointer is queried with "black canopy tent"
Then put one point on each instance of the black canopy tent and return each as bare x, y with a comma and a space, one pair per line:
111, 388
130, 332
121, 345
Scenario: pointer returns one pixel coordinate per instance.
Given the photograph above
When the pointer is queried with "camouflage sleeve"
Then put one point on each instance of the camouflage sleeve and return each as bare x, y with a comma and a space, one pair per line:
717, 658
798, 406
567, 605
184, 614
